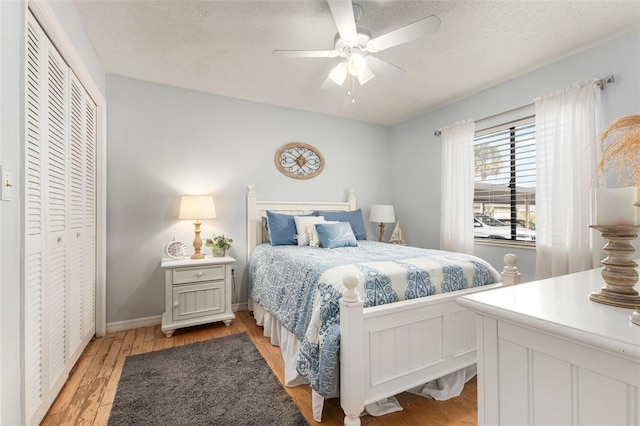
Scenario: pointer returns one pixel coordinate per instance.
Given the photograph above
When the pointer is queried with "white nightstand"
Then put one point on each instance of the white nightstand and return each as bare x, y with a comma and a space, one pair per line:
197, 291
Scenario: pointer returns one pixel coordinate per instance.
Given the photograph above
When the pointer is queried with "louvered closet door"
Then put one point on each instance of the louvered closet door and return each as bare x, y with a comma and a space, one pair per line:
89, 233
60, 184
35, 246
57, 220
46, 209
81, 235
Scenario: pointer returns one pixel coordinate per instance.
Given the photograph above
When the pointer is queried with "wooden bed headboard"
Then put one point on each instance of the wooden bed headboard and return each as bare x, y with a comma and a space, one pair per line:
256, 210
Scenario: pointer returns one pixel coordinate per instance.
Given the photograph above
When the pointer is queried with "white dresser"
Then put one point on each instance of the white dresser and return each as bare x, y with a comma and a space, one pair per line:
197, 291
547, 355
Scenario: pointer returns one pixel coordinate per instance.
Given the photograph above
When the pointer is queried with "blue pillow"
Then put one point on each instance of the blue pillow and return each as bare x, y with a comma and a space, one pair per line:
354, 217
282, 229
334, 235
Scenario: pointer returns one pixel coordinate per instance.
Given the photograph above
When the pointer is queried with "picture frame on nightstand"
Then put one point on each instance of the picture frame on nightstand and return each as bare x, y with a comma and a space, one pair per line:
176, 250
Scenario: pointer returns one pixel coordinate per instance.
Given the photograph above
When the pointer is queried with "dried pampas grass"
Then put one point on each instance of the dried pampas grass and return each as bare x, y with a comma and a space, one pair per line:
623, 152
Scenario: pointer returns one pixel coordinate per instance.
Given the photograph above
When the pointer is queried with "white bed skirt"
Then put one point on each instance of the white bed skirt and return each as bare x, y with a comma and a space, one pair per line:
444, 388
286, 340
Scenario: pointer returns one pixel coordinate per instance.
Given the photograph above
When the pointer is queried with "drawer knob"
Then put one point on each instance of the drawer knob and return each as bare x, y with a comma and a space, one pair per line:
176, 304
199, 274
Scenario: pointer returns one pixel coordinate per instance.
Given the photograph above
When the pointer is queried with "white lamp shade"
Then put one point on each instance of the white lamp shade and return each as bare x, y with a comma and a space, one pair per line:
356, 62
197, 207
339, 73
382, 213
365, 76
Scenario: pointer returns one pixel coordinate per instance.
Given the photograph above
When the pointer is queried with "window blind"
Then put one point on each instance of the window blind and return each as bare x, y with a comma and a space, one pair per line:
505, 178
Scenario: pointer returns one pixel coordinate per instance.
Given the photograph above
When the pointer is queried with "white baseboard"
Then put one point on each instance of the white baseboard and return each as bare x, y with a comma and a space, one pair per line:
134, 323
155, 320
239, 307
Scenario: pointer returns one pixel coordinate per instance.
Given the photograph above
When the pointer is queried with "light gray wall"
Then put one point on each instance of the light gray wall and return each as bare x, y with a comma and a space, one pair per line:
165, 142
12, 27
416, 151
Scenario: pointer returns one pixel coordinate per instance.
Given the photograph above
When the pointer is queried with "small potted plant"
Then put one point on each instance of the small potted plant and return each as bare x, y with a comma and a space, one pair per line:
219, 245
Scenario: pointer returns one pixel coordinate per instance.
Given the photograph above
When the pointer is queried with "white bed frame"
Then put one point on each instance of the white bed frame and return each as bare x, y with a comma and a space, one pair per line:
388, 349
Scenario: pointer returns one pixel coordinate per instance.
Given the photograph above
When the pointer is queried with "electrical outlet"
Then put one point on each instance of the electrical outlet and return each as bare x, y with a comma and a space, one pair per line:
7, 183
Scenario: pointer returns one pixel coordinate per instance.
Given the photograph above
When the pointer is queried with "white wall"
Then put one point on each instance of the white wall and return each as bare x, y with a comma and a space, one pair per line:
164, 142
416, 151
12, 38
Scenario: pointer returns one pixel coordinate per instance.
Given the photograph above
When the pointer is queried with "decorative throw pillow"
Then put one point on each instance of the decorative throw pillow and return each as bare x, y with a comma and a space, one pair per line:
265, 230
334, 235
354, 217
301, 227
312, 233
282, 229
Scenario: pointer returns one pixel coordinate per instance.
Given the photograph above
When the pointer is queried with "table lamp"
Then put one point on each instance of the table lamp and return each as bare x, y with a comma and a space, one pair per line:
197, 208
382, 213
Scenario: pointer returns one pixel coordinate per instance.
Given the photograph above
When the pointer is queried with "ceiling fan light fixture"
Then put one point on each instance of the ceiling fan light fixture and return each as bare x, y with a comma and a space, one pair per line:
356, 62
339, 73
365, 76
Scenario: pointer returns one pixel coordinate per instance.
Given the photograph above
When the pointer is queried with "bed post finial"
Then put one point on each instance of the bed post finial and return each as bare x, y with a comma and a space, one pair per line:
510, 274
251, 190
351, 198
351, 295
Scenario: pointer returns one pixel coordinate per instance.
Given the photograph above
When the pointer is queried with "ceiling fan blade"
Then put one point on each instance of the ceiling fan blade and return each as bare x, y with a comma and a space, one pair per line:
405, 34
384, 68
342, 11
306, 53
365, 76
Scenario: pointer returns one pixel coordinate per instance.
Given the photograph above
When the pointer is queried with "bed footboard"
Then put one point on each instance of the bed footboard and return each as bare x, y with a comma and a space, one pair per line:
388, 349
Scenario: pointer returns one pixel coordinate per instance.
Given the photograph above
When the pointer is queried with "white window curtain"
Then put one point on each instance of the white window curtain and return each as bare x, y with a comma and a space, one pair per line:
456, 212
567, 124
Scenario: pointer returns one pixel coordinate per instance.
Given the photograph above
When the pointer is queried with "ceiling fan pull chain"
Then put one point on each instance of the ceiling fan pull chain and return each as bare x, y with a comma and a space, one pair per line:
351, 91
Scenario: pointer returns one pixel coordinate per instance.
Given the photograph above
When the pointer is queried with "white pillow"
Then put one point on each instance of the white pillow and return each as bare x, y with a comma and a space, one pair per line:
314, 238
301, 227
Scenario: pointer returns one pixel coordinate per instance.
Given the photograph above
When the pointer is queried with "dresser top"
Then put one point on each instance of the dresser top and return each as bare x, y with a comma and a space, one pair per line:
561, 306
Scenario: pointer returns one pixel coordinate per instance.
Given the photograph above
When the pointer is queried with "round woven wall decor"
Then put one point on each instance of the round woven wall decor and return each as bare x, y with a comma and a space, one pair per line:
299, 160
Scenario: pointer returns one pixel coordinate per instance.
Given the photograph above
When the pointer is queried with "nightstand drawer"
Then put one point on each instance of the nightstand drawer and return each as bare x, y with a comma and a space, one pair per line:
192, 301
197, 274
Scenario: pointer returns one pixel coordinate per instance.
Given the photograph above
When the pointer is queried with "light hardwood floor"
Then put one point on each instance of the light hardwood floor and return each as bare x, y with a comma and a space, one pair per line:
88, 394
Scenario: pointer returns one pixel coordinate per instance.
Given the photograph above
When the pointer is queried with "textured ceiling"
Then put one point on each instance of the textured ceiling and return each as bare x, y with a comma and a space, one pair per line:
225, 47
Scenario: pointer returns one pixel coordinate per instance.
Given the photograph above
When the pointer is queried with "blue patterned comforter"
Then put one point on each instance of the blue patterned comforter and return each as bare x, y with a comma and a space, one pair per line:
301, 286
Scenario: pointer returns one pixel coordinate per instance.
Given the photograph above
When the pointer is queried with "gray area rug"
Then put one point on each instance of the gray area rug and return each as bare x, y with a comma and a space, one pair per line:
223, 381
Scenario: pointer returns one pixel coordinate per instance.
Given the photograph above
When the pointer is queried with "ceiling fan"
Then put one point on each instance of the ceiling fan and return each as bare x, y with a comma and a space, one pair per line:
356, 45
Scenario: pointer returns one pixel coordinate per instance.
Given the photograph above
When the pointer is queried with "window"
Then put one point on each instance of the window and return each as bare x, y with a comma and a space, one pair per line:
505, 182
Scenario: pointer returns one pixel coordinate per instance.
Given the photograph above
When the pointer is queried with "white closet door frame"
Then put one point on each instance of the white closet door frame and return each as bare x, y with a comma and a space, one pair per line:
50, 24
1, 352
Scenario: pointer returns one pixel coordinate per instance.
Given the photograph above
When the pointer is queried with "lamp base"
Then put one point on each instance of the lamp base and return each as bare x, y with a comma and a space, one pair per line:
197, 242
381, 237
